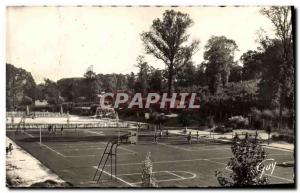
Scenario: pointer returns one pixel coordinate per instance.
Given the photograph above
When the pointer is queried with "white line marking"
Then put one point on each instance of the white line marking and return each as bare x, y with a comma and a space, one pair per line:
81, 156
193, 175
53, 150
78, 146
277, 148
174, 147
92, 155
215, 162
95, 132
120, 179
46, 146
191, 149
28, 134
281, 178
175, 175
80, 149
126, 149
170, 161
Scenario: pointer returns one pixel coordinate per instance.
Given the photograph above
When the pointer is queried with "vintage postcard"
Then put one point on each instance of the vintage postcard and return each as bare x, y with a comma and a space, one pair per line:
150, 96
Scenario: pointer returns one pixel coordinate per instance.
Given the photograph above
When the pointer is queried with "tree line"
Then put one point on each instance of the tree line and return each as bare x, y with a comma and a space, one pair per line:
265, 80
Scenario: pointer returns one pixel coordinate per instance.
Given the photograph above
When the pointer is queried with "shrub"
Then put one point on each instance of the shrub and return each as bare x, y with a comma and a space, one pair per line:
147, 176
238, 122
247, 155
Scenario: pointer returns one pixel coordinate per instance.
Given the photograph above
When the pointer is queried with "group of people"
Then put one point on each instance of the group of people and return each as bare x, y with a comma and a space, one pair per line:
189, 136
52, 130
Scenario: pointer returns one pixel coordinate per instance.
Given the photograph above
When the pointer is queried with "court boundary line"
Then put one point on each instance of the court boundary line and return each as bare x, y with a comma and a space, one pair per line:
88, 155
175, 175
190, 150
171, 172
116, 177
42, 144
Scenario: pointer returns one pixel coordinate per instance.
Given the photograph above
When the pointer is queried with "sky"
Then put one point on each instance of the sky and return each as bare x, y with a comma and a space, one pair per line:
62, 42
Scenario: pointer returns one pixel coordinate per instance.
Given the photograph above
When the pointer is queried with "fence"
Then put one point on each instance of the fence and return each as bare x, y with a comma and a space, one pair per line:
67, 126
36, 114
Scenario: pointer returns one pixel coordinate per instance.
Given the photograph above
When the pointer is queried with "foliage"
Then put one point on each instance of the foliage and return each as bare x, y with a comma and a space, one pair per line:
252, 65
186, 76
148, 179
155, 80
236, 74
219, 57
247, 155
141, 85
90, 83
238, 122
50, 91
166, 41
19, 85
281, 18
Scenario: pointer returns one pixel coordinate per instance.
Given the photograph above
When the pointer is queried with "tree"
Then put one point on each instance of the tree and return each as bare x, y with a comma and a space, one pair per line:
236, 74
252, 65
245, 165
19, 83
142, 76
185, 77
281, 18
90, 79
269, 84
167, 41
219, 56
200, 78
130, 81
50, 91
155, 80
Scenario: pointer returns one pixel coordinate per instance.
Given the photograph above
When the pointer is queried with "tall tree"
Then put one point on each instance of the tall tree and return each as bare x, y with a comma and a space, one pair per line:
201, 78
219, 56
130, 81
281, 18
90, 79
19, 85
142, 76
167, 41
269, 84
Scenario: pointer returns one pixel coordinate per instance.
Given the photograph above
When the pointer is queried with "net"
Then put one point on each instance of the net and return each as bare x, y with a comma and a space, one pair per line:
68, 135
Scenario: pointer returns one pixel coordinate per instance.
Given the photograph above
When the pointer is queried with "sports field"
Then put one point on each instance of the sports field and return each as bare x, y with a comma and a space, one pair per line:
74, 156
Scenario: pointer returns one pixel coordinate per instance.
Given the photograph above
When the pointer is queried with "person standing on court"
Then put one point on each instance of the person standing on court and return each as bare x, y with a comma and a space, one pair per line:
155, 137
189, 138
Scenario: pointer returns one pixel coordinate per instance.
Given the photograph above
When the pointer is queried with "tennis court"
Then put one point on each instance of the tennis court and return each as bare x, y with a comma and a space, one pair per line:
74, 156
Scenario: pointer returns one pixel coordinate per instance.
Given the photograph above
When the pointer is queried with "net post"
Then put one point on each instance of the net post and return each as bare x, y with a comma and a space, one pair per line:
40, 136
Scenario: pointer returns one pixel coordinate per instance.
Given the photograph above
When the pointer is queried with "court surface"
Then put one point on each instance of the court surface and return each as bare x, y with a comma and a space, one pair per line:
176, 163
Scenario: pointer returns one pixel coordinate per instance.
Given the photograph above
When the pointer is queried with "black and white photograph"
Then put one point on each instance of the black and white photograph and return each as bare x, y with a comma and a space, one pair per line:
150, 97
